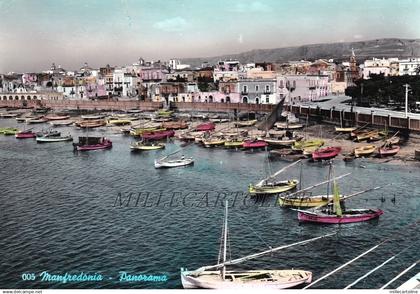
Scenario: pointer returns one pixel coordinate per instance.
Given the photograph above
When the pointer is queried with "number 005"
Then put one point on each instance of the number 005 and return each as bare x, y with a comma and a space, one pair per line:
28, 276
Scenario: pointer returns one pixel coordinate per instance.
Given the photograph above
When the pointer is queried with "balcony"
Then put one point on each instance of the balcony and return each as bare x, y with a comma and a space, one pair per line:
267, 92
244, 92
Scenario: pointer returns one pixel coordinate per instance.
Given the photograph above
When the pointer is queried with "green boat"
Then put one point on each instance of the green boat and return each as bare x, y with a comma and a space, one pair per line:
301, 145
165, 113
8, 131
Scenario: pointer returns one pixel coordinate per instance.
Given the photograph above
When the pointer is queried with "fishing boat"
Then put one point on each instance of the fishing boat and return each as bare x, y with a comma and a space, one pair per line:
326, 153
213, 142
233, 143
141, 131
219, 120
146, 147
166, 113
284, 142
158, 135
364, 150
8, 131
175, 125
345, 130
25, 134
251, 144
209, 126
119, 122
21, 119
90, 124
48, 133
54, 139
218, 277
368, 135
301, 145
388, 150
287, 126
335, 214
165, 162
92, 117
246, 123
58, 123
92, 143
57, 117
36, 120
8, 115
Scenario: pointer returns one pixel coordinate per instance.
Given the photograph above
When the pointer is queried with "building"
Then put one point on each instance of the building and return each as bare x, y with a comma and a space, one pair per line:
300, 88
409, 66
376, 66
258, 91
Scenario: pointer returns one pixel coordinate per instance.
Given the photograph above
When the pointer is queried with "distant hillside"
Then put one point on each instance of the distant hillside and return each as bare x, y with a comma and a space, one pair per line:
339, 51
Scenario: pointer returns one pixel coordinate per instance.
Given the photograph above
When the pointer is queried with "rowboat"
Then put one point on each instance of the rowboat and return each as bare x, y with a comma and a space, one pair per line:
146, 147
219, 120
92, 117
165, 112
345, 130
246, 123
140, 131
57, 117
174, 125
8, 131
369, 135
89, 124
164, 163
300, 145
272, 187
388, 150
158, 135
326, 153
54, 139
392, 141
209, 126
233, 144
8, 115
364, 150
213, 142
217, 277
61, 123
119, 122
277, 142
25, 135
48, 134
249, 144
287, 126
92, 143
36, 120
21, 119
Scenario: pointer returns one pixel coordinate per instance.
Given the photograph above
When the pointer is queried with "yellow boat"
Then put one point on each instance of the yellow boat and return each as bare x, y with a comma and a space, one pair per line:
141, 131
345, 130
364, 150
246, 123
8, 131
301, 145
145, 147
304, 201
272, 188
233, 144
310, 150
213, 142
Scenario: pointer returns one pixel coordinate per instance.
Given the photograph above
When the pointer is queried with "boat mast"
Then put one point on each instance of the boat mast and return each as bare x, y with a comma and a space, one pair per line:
225, 240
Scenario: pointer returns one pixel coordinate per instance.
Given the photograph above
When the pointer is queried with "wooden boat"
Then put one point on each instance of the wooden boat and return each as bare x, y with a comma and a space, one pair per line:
288, 126
36, 120
54, 139
175, 125
217, 277
165, 112
25, 135
8, 131
119, 122
364, 150
392, 141
335, 214
92, 143
141, 131
209, 126
158, 135
213, 142
146, 147
279, 142
301, 145
276, 187
21, 119
92, 117
8, 115
168, 163
219, 120
57, 117
326, 153
250, 144
48, 134
233, 143
369, 135
246, 123
345, 130
277, 133
89, 124
388, 150
61, 123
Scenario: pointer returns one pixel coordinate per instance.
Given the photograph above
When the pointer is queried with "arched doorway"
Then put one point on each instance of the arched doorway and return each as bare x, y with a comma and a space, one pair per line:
257, 100
245, 99
222, 100
227, 99
210, 98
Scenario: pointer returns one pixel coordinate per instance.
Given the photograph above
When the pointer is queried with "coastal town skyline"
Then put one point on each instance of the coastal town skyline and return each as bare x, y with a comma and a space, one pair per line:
71, 33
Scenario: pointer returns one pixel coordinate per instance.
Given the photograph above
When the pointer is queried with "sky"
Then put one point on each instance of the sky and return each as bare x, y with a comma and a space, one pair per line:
36, 33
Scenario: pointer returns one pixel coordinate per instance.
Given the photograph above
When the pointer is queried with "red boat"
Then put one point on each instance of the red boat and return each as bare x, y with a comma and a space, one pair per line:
348, 216
389, 150
254, 144
206, 127
326, 153
25, 135
158, 135
92, 143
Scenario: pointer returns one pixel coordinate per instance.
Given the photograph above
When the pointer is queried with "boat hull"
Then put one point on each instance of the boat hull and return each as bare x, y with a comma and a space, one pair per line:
361, 215
308, 201
52, 140
254, 144
326, 153
281, 187
383, 152
174, 163
25, 135
283, 279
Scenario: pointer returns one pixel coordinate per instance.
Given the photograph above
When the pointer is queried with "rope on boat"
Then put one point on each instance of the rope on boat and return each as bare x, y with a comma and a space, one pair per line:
378, 267
399, 275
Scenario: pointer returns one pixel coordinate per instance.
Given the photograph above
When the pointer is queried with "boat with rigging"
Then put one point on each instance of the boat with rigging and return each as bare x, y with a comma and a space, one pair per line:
208, 126
165, 162
142, 146
245, 123
46, 139
218, 277
158, 135
92, 143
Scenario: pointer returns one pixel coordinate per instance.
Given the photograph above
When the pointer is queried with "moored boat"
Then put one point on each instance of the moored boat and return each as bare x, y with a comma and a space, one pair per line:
209, 126
288, 126
36, 120
388, 150
213, 142
168, 163
364, 150
25, 135
57, 123
301, 145
119, 122
57, 117
250, 144
326, 153
92, 143
8, 131
158, 135
245, 123
92, 117
345, 130
174, 125
279, 142
275, 187
348, 216
54, 139
233, 143
90, 124
146, 146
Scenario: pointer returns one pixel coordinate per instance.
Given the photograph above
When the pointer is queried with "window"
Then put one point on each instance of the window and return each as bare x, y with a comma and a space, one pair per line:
267, 88
257, 88
281, 84
245, 89
257, 100
267, 99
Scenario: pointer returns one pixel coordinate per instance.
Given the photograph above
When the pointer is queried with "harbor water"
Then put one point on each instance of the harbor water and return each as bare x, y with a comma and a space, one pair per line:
68, 212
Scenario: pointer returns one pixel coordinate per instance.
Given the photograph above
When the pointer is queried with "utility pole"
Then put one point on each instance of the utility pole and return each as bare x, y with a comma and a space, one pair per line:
407, 86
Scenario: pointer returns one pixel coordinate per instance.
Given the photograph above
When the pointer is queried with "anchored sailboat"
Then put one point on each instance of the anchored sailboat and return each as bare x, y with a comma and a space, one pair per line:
217, 277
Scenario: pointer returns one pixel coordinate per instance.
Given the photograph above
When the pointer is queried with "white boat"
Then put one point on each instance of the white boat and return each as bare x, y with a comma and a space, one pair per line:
54, 139
159, 163
216, 276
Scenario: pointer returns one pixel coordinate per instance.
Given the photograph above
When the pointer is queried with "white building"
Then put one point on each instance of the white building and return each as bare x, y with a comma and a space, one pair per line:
377, 66
409, 66
176, 64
